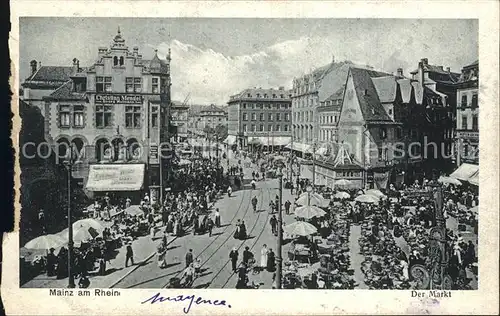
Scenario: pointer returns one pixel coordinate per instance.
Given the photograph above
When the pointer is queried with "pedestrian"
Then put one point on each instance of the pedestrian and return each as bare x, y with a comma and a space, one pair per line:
51, 262
254, 203
217, 217
210, 226
271, 265
233, 255
271, 207
253, 183
287, 207
229, 191
129, 255
274, 224
247, 255
243, 230
263, 256
189, 258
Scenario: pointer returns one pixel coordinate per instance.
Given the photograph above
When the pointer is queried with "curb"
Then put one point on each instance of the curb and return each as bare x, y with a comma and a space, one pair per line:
136, 266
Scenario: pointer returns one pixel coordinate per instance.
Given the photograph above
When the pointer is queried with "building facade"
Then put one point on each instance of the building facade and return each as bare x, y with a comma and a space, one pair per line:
310, 92
42, 81
179, 113
467, 123
260, 117
439, 86
328, 116
202, 118
116, 113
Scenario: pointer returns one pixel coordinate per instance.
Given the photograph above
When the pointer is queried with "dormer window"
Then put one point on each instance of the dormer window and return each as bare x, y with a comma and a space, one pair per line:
115, 61
121, 61
258, 95
249, 95
265, 95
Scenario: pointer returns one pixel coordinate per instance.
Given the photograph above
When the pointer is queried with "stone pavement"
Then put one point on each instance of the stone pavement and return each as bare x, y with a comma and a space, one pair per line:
356, 257
143, 248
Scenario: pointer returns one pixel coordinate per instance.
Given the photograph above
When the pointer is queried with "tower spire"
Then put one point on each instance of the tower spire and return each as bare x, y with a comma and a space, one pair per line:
119, 30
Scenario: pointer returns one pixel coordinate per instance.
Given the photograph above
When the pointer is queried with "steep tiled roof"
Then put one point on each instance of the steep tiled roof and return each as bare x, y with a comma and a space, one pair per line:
337, 95
418, 92
65, 92
386, 88
51, 73
371, 108
211, 108
405, 88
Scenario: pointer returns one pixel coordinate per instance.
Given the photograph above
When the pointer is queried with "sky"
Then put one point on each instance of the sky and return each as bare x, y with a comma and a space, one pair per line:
214, 58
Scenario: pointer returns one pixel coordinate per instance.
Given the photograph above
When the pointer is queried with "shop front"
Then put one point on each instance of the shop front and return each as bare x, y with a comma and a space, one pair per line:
117, 180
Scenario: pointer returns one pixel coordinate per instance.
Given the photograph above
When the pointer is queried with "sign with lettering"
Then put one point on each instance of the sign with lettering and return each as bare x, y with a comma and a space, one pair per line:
153, 151
115, 177
474, 135
118, 99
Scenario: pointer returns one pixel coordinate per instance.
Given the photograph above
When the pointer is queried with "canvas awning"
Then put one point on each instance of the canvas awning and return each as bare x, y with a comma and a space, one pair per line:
474, 179
465, 172
300, 147
230, 140
115, 177
280, 141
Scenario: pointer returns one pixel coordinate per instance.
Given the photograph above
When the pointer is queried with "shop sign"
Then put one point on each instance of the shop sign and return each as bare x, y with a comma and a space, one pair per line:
118, 99
153, 152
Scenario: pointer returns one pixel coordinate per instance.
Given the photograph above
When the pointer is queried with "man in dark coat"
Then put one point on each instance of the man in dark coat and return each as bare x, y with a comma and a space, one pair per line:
210, 226
129, 255
247, 255
271, 265
51, 262
287, 207
189, 258
233, 255
274, 225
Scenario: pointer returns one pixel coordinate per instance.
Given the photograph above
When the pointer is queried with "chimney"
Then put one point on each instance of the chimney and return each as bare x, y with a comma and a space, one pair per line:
136, 51
400, 72
33, 65
448, 70
441, 67
282, 88
76, 65
425, 61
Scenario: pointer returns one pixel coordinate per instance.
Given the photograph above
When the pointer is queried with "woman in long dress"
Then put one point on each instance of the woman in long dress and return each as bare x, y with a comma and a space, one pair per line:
263, 257
271, 266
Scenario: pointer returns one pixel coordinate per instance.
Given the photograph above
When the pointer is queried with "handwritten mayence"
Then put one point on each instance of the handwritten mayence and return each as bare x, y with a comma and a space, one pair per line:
189, 299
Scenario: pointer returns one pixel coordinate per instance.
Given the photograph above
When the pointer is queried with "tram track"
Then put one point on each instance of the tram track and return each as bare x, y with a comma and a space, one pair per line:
245, 242
218, 236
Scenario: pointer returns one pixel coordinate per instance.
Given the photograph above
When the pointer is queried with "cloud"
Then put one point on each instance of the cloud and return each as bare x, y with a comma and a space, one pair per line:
211, 77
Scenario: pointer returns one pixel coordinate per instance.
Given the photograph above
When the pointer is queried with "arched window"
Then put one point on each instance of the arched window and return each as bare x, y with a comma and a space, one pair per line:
121, 61
134, 150
119, 149
78, 147
103, 150
115, 61
62, 147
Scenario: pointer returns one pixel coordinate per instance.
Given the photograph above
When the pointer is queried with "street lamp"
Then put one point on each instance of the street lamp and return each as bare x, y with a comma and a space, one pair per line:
69, 163
280, 233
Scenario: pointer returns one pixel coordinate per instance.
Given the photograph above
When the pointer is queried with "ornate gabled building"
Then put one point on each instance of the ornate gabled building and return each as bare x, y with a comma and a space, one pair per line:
116, 112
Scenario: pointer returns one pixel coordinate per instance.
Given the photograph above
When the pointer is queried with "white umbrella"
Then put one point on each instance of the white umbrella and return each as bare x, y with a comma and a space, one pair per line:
87, 223
375, 192
46, 242
366, 198
310, 199
134, 210
343, 182
300, 229
308, 212
342, 195
448, 180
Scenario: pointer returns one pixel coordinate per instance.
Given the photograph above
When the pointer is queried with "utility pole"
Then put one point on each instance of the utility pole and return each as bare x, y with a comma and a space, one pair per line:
280, 234
314, 164
71, 277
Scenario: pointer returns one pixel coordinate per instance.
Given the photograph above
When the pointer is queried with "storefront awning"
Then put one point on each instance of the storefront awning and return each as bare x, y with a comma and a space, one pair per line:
474, 179
300, 147
465, 172
230, 140
115, 177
